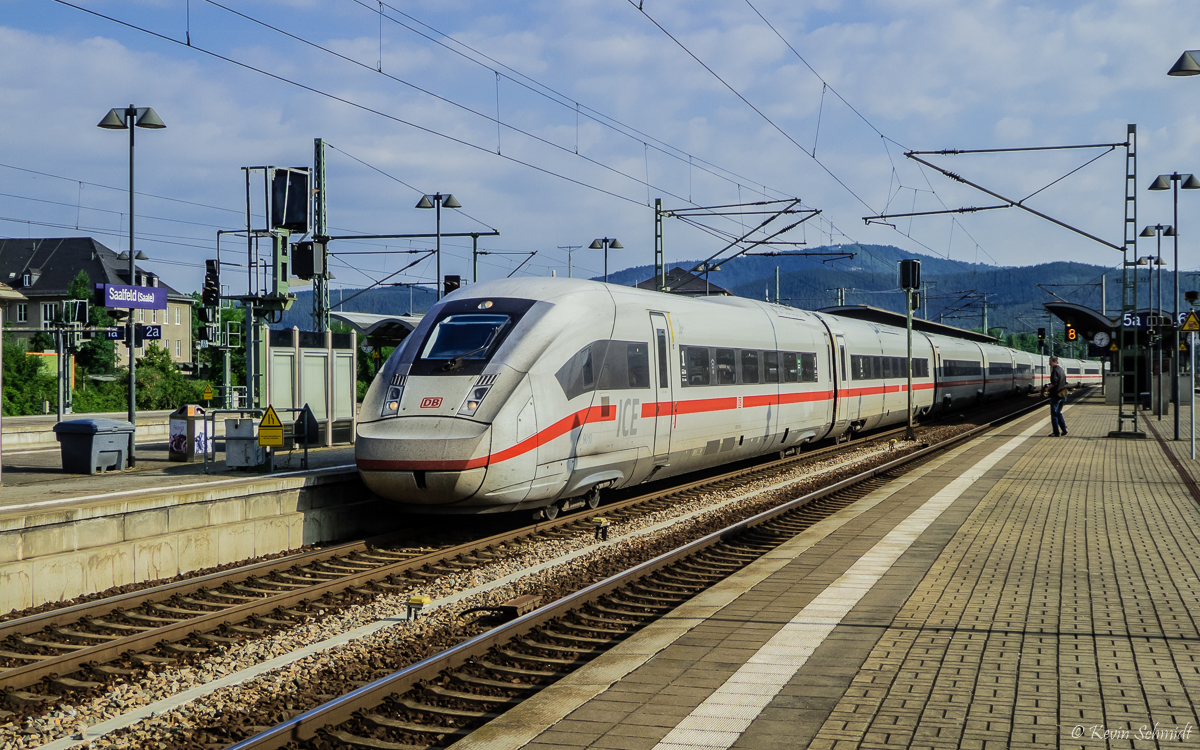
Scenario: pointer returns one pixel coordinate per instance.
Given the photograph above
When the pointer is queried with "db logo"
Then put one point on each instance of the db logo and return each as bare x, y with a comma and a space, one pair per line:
431, 403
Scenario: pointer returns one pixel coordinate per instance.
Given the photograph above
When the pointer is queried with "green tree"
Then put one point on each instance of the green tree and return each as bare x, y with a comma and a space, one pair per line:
160, 382
26, 384
210, 360
98, 355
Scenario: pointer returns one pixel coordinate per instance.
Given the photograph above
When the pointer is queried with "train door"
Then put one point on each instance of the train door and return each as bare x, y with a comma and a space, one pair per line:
664, 400
842, 403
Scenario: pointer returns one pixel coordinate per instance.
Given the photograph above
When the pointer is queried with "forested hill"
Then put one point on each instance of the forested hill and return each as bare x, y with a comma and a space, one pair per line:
954, 289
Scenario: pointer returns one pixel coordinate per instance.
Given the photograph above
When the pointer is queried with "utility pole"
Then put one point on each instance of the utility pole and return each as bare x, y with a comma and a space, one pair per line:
910, 280
320, 313
660, 266
569, 249
777, 285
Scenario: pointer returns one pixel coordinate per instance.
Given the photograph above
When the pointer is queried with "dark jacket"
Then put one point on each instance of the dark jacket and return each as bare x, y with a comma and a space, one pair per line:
1058, 382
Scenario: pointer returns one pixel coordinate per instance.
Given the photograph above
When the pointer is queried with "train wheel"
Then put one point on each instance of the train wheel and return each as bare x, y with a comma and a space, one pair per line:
550, 512
593, 499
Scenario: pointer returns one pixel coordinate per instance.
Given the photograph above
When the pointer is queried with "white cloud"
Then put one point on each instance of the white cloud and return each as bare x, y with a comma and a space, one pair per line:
930, 74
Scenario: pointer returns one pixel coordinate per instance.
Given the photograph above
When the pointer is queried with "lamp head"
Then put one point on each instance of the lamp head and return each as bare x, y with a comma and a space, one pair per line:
595, 245
1147, 232
1169, 232
148, 118
1188, 64
1162, 182
449, 201
1191, 183
424, 202
615, 244
1192, 297
113, 121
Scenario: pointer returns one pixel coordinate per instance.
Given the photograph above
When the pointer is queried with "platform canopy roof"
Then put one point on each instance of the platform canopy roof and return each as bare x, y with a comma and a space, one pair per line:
888, 318
381, 330
1082, 318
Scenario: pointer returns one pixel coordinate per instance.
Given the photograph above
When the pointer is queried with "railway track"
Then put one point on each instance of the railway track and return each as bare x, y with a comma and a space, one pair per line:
93, 646
446, 697
84, 647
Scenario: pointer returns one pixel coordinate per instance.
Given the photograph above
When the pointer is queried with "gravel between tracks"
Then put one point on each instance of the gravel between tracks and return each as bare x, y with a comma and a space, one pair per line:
231, 713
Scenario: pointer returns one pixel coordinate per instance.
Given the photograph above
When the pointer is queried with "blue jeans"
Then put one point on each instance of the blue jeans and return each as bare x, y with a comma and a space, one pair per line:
1056, 417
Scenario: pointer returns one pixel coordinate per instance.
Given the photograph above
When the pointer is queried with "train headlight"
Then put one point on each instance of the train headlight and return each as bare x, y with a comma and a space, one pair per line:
473, 400
391, 404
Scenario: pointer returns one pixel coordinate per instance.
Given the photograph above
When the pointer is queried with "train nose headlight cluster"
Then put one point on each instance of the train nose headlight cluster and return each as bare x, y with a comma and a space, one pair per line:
473, 400
391, 404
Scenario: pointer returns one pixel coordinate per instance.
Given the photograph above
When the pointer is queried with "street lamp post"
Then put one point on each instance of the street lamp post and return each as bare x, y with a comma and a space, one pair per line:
605, 243
1159, 231
436, 201
1163, 182
129, 118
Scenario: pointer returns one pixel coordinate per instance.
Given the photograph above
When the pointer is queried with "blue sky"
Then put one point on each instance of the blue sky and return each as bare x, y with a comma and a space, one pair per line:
594, 101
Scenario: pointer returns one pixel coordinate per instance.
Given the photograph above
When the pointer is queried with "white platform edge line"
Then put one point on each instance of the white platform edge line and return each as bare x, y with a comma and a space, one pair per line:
874, 564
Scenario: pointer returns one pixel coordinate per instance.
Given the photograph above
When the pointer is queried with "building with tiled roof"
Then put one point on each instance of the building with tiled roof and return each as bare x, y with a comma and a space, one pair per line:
687, 284
42, 270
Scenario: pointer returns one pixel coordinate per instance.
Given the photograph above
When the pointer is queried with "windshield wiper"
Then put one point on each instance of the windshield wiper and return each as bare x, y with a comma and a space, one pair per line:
457, 362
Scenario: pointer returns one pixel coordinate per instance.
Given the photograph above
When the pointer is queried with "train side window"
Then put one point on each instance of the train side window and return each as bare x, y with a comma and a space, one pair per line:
771, 367
637, 360
696, 365
842, 350
791, 371
1072, 370
887, 364
662, 358
808, 367
749, 366
726, 367
576, 376
857, 371
920, 368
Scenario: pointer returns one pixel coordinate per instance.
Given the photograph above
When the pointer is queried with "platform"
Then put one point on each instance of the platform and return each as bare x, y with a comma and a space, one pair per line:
63, 535
1020, 591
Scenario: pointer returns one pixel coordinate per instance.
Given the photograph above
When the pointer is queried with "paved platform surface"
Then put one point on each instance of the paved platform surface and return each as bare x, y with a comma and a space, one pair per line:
1022, 591
34, 479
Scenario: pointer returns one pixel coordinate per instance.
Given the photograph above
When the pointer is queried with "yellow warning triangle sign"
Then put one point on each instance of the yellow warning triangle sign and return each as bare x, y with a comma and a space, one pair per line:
1113, 348
208, 394
270, 419
1191, 324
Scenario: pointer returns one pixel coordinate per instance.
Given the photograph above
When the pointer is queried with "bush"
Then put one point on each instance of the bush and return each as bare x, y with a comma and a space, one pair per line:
160, 383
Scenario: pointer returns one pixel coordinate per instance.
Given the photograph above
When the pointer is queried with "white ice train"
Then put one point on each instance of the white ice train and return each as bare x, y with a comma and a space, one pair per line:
539, 393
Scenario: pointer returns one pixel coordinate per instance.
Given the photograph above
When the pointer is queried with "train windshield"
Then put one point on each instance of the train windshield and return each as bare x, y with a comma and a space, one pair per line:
465, 337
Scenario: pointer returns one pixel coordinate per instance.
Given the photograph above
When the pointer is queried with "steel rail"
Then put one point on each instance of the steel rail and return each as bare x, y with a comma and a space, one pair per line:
67, 663
208, 621
307, 725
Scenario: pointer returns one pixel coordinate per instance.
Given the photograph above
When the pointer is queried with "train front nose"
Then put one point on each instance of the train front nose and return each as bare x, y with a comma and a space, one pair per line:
423, 460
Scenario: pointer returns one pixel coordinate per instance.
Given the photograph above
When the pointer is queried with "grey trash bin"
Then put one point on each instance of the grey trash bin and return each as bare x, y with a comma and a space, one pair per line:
89, 445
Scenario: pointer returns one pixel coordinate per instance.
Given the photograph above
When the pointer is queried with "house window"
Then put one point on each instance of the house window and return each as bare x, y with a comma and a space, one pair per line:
178, 348
49, 311
22, 313
142, 315
176, 316
154, 316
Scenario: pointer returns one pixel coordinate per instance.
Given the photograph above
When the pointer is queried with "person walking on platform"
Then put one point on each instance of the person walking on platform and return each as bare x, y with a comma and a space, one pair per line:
1058, 397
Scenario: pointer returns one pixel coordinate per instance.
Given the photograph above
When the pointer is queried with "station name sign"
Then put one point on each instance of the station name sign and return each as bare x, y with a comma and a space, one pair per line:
132, 297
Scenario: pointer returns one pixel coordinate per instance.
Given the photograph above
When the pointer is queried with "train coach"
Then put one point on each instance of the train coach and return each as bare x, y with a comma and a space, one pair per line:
538, 394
